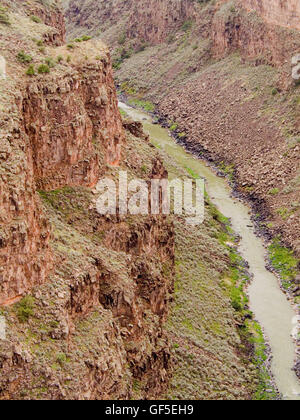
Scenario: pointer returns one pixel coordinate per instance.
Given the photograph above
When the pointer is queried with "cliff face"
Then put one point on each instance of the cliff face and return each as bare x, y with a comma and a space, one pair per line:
161, 18
151, 21
277, 12
256, 37
252, 27
55, 134
66, 119
98, 289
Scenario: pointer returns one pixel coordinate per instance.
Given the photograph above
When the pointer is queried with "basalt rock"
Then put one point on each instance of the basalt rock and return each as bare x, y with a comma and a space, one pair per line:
99, 287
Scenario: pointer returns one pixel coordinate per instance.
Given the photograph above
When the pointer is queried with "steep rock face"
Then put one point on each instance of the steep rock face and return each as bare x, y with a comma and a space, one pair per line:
53, 17
103, 307
24, 232
278, 12
247, 31
155, 20
99, 287
254, 28
66, 120
56, 130
151, 21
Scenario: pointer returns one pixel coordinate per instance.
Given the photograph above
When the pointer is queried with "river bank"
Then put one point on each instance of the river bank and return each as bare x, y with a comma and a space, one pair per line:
267, 301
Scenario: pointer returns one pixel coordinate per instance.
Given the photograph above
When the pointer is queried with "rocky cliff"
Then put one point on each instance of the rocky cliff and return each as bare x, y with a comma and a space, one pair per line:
277, 12
92, 292
50, 131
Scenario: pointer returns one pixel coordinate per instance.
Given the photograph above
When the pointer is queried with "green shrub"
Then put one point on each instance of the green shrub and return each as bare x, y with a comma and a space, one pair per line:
86, 38
122, 39
59, 59
50, 62
30, 71
61, 358
187, 25
70, 46
24, 58
4, 19
274, 191
35, 19
43, 68
25, 308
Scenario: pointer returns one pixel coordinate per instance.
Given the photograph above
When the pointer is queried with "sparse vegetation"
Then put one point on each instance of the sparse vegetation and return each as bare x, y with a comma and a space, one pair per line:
35, 19
187, 25
50, 62
25, 309
43, 69
274, 191
24, 58
30, 71
4, 18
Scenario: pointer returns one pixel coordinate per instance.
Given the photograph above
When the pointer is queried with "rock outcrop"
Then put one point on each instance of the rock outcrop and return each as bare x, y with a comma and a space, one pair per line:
277, 12
61, 130
66, 119
94, 291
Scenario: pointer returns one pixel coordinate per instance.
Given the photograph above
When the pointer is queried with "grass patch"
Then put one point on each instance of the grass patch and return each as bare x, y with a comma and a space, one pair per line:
30, 71
25, 309
284, 262
145, 105
229, 170
35, 19
173, 126
274, 191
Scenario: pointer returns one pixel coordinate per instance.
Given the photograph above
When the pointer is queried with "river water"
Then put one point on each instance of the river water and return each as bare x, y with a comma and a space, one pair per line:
267, 301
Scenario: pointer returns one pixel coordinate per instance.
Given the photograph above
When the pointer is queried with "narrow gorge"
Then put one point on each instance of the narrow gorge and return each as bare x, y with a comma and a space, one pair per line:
147, 307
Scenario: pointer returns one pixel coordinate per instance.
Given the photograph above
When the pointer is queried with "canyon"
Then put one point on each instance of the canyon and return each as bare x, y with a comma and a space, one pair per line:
140, 307
60, 131
220, 74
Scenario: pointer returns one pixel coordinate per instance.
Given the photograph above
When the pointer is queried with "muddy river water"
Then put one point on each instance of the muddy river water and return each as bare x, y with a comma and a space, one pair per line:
269, 304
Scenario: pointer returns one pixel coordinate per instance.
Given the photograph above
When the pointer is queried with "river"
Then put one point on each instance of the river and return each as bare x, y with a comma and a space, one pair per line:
267, 301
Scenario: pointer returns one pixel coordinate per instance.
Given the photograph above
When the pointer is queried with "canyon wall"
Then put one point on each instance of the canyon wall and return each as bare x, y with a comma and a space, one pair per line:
68, 121
92, 292
284, 13
167, 51
155, 20
151, 21
235, 28
67, 128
